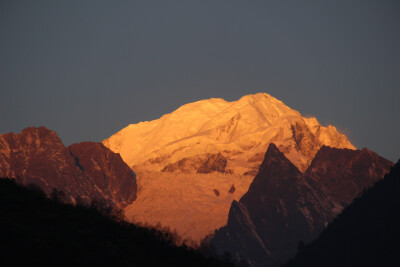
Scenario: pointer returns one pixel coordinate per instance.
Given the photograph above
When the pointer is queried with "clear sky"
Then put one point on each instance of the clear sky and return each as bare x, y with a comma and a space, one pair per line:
86, 69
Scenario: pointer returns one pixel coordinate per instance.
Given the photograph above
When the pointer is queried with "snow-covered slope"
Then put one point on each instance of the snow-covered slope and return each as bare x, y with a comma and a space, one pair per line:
240, 130
181, 158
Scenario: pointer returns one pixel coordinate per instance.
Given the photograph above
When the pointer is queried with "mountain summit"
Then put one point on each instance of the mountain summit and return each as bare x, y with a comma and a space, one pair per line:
240, 130
188, 161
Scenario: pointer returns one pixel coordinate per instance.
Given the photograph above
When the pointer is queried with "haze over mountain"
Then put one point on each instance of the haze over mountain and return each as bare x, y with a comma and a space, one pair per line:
188, 160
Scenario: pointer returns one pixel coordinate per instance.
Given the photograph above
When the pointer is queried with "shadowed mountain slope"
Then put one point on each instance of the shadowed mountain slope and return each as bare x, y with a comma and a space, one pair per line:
284, 206
366, 233
345, 173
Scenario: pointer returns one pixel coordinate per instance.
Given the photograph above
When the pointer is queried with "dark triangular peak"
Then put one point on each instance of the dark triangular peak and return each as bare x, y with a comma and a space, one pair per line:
274, 166
275, 171
283, 206
286, 206
344, 173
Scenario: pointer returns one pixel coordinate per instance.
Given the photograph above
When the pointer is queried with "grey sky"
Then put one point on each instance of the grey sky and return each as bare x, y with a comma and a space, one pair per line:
86, 69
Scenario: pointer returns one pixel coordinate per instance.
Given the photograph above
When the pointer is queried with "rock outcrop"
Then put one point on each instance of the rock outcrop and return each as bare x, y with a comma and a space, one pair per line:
84, 171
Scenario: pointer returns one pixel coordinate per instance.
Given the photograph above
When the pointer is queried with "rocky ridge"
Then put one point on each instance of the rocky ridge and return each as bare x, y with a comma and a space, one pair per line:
284, 206
83, 172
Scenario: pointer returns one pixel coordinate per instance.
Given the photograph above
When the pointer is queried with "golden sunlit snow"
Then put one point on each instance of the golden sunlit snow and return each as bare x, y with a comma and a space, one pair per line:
166, 154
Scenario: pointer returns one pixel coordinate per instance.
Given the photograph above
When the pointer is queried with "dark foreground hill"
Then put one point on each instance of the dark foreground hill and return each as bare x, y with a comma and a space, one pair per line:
366, 233
37, 231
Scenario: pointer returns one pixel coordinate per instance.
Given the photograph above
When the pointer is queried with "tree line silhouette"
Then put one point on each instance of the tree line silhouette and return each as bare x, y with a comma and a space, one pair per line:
37, 230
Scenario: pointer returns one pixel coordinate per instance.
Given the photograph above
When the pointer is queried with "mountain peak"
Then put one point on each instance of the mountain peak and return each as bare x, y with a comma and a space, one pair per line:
273, 150
274, 157
273, 167
225, 140
40, 132
245, 127
34, 137
257, 97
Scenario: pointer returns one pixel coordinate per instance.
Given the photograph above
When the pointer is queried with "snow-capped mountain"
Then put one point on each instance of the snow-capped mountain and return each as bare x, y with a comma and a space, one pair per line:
188, 161
239, 131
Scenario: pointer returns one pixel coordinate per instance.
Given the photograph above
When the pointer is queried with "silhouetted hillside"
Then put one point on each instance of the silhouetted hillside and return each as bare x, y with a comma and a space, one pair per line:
37, 231
366, 233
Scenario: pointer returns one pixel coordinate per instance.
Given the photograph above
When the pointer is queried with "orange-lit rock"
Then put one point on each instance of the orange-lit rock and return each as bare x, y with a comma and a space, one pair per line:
86, 171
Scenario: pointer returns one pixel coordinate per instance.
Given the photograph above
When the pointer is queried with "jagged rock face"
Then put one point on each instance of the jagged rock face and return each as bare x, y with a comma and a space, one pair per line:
207, 163
212, 137
38, 156
215, 163
87, 171
286, 206
107, 171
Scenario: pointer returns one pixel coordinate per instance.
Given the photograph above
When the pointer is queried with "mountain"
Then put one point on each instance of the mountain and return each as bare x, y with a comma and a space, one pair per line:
284, 206
185, 157
238, 130
344, 173
37, 231
366, 233
83, 172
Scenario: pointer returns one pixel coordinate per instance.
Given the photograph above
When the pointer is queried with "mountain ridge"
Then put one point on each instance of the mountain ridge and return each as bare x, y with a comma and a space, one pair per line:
215, 125
83, 172
366, 233
207, 146
284, 206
